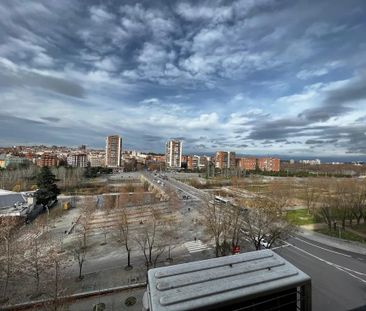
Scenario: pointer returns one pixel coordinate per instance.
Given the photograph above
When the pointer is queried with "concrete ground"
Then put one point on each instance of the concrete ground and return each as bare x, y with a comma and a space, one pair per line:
113, 302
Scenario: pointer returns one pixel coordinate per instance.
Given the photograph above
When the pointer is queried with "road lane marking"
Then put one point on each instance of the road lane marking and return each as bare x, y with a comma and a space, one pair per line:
339, 267
326, 249
282, 246
196, 246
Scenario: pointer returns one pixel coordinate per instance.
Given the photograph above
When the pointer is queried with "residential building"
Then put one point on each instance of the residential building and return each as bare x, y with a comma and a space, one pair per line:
48, 159
192, 162
311, 162
248, 164
113, 151
77, 160
225, 159
96, 160
203, 162
231, 159
8, 159
269, 164
173, 153
221, 159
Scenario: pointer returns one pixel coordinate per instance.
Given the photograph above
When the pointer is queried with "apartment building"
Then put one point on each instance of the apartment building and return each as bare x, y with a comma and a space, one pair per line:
113, 151
221, 159
225, 159
173, 153
203, 162
231, 159
48, 159
192, 162
248, 164
269, 164
96, 160
77, 160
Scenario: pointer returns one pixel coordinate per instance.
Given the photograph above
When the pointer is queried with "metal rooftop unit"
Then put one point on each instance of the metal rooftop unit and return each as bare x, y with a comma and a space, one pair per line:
260, 280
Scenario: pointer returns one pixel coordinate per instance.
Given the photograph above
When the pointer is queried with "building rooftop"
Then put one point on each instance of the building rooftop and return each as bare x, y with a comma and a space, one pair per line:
212, 282
13, 203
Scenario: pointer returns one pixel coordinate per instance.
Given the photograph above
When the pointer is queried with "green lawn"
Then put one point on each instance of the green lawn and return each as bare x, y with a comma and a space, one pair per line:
301, 217
344, 235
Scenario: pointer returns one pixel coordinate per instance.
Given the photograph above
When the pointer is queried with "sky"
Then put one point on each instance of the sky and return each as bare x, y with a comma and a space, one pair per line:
250, 76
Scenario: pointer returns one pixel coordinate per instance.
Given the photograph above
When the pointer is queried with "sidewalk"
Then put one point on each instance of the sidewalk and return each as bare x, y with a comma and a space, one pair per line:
349, 246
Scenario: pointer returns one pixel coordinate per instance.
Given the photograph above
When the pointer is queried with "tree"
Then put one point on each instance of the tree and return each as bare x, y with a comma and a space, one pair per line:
170, 234
8, 250
124, 230
263, 221
47, 189
79, 253
86, 211
216, 219
55, 277
109, 204
35, 260
309, 194
150, 239
358, 202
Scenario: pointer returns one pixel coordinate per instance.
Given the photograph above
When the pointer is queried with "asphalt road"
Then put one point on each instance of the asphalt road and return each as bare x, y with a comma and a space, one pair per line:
338, 277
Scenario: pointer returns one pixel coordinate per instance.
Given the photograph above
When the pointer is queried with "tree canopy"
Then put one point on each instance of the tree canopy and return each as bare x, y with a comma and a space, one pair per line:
47, 188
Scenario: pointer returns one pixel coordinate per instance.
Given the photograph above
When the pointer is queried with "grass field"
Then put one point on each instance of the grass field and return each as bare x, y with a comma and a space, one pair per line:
343, 235
301, 217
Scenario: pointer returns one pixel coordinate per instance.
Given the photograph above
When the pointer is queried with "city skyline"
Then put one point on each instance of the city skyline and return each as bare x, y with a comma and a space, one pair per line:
254, 77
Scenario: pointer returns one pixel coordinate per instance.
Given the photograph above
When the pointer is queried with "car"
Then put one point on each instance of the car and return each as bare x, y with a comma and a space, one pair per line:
263, 242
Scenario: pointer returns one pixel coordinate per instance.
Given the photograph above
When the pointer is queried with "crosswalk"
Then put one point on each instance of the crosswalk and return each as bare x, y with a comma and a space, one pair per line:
28, 237
196, 246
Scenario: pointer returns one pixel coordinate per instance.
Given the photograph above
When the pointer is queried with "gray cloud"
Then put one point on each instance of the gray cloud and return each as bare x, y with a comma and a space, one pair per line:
51, 119
194, 70
337, 101
17, 78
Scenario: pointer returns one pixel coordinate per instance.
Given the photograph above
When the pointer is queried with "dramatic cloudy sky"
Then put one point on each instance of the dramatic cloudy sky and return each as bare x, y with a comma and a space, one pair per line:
252, 76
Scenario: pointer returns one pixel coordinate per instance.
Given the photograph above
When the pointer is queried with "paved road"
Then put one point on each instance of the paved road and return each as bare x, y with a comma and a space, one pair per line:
338, 277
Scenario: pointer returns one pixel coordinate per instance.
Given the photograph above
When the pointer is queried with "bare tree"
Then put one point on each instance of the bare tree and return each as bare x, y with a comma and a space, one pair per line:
150, 240
170, 234
280, 193
108, 206
124, 230
358, 202
217, 222
83, 223
79, 253
310, 194
263, 221
8, 251
35, 260
55, 277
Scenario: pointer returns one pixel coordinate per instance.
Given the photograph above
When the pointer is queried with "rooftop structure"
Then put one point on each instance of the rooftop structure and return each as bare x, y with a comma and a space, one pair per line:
259, 280
16, 204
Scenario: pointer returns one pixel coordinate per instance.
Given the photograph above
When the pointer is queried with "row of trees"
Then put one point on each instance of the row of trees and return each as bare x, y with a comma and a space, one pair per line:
36, 260
24, 179
153, 236
336, 201
251, 219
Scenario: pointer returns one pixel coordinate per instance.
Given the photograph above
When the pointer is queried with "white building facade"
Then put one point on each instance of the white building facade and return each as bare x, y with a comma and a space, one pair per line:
173, 153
